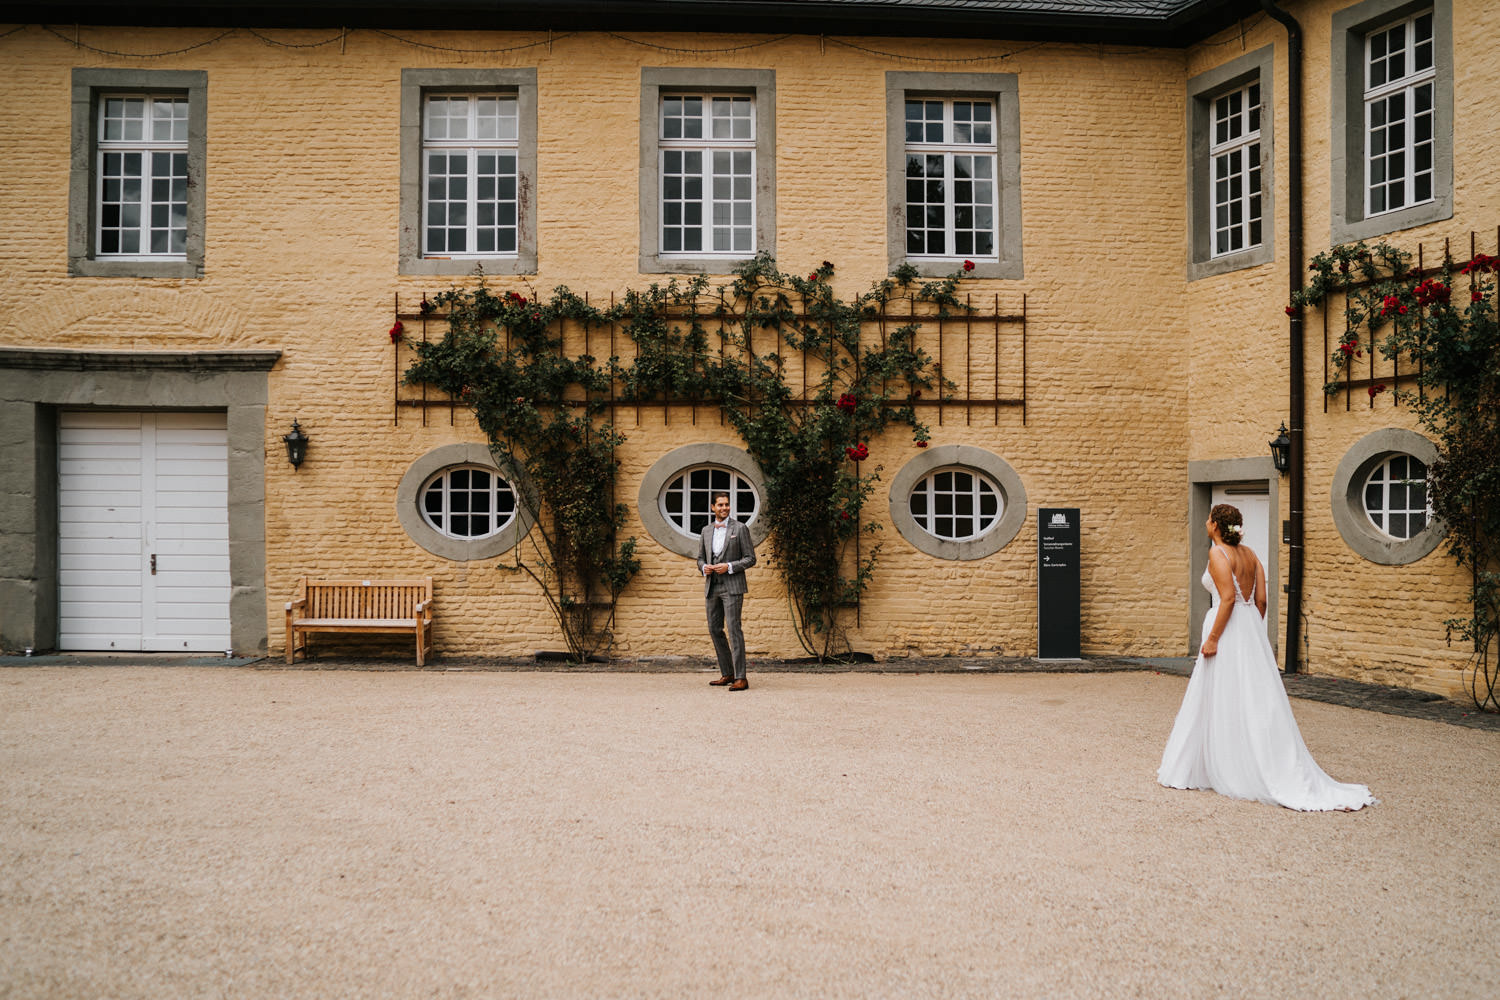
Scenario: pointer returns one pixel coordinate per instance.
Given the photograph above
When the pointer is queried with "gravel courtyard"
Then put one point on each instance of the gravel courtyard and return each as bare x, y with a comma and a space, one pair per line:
229, 832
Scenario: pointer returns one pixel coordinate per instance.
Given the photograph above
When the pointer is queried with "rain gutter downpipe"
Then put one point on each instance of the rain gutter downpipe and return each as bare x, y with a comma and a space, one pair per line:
1295, 532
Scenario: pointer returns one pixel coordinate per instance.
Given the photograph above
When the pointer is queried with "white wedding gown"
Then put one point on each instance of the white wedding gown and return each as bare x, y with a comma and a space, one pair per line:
1235, 732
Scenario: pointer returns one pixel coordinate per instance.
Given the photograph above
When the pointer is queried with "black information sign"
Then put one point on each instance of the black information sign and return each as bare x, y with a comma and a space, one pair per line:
1057, 584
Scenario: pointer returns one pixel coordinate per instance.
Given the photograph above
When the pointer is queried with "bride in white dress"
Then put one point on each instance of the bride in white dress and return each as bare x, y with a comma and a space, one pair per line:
1235, 732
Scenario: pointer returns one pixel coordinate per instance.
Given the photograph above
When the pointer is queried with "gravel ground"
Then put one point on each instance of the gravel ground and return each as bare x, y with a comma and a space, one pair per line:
234, 832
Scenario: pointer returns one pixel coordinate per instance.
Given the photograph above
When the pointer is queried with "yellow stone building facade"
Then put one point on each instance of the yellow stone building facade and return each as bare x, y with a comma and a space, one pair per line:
1153, 368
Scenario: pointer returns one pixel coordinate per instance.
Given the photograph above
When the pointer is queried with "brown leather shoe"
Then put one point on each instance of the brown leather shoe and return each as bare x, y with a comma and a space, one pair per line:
720, 682
739, 685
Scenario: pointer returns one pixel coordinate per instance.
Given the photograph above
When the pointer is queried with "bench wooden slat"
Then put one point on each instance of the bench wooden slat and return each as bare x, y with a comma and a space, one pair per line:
348, 606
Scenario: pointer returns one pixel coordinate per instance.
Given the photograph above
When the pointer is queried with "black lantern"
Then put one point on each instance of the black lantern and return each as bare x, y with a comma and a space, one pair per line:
1281, 450
296, 444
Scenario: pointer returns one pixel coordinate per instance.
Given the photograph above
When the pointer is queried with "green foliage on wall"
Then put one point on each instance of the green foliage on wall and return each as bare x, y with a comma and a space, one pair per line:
546, 414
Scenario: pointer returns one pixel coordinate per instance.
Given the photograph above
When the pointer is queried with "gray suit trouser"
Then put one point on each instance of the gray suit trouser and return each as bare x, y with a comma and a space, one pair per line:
724, 617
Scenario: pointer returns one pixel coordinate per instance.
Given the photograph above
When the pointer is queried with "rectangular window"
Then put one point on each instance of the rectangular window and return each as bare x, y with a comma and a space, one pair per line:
468, 171
1235, 152
143, 177
953, 173
1230, 128
1391, 117
952, 198
470, 175
707, 149
1399, 90
136, 193
707, 168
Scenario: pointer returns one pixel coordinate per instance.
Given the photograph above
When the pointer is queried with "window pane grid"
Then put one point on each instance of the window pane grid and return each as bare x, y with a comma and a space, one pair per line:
470, 175
707, 171
142, 177
687, 500
1236, 182
468, 502
1395, 497
1399, 115
952, 198
956, 505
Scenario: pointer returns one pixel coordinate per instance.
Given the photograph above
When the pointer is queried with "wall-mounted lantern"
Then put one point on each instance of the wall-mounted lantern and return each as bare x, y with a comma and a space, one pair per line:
1281, 450
296, 444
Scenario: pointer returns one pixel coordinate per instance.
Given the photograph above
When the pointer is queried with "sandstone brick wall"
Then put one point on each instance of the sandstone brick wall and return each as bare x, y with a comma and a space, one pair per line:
1363, 620
1130, 367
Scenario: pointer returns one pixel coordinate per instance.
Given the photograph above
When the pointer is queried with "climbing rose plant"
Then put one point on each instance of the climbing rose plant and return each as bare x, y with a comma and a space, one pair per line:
1454, 350
544, 413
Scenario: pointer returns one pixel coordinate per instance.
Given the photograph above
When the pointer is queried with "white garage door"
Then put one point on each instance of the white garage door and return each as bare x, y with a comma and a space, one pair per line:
143, 531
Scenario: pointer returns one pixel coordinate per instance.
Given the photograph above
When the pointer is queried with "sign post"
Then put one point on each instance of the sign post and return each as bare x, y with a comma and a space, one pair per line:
1058, 588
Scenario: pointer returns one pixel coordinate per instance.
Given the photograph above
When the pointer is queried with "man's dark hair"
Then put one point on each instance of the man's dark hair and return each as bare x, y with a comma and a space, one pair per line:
713, 497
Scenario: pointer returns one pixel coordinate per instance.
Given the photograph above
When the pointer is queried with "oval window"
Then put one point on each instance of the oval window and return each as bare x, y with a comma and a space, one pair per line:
468, 502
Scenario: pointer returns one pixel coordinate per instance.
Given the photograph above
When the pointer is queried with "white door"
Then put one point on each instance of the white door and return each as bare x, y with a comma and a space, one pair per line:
1254, 503
143, 531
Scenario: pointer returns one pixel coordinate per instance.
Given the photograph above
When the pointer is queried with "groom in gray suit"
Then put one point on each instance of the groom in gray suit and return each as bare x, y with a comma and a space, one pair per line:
725, 551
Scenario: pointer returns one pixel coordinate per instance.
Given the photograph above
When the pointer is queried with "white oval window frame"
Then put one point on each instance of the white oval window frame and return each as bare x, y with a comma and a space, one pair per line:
673, 464
409, 509
996, 469
1348, 502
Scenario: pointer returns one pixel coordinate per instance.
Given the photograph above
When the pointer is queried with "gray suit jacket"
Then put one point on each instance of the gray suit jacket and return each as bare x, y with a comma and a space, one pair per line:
739, 553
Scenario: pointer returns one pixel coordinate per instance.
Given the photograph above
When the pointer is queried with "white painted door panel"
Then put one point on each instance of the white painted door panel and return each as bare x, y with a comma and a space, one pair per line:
143, 546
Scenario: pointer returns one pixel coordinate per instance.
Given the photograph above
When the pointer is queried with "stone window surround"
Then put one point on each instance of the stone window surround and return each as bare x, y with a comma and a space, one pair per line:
409, 499
1203, 476
1253, 67
36, 383
415, 83
759, 82
1003, 89
1001, 533
1347, 112
673, 464
83, 207
1347, 496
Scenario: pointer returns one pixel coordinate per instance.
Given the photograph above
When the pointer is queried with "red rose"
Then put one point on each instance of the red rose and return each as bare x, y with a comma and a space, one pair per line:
968, 265
1376, 389
1291, 310
847, 403
396, 331
921, 444
813, 276
1476, 295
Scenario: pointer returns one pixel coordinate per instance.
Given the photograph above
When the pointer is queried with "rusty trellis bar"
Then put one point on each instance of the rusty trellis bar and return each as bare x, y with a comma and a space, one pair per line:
881, 320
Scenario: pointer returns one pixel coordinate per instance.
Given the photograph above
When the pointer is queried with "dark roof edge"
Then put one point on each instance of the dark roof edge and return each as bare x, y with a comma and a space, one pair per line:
1192, 21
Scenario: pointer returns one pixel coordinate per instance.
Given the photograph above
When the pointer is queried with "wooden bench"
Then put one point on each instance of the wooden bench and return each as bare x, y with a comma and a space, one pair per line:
354, 606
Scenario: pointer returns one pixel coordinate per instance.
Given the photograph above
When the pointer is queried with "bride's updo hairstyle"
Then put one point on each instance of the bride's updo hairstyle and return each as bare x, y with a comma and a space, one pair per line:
1226, 517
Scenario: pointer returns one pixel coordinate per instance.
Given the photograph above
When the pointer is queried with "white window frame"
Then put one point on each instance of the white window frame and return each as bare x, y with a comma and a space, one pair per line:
948, 147
149, 147
1002, 92
91, 89
732, 150
1407, 88
739, 485
930, 494
472, 146
1235, 157
1009, 490
1383, 478
1350, 219
442, 481
416, 84
759, 85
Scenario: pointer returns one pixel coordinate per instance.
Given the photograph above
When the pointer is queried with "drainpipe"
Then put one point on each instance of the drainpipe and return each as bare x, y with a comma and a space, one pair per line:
1297, 403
